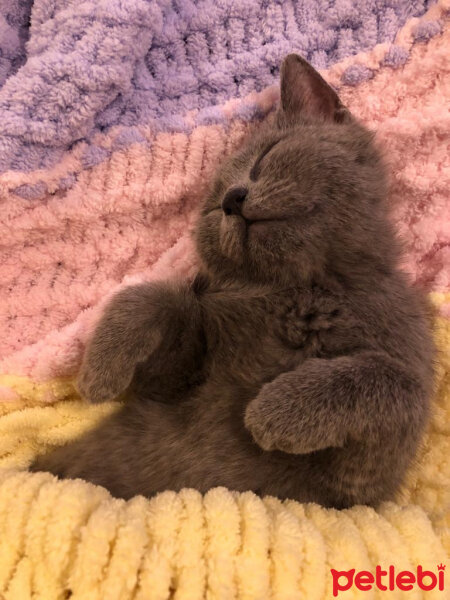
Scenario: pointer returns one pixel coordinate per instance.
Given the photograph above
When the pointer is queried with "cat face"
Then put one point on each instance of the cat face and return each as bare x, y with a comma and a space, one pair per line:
301, 196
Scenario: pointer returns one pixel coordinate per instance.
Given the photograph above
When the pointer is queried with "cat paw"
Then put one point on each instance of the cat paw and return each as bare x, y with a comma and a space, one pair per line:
279, 422
261, 434
100, 386
270, 436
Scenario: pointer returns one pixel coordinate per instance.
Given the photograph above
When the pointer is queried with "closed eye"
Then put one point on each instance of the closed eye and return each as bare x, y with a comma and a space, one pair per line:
256, 169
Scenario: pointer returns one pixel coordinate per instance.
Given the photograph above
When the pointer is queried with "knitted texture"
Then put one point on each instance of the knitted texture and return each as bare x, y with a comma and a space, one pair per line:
14, 19
105, 63
77, 542
113, 118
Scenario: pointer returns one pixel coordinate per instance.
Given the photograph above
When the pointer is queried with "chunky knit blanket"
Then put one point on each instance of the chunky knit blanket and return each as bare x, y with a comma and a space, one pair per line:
113, 117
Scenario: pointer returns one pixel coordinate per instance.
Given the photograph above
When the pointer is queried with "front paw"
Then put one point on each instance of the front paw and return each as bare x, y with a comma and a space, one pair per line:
102, 384
261, 431
270, 433
288, 418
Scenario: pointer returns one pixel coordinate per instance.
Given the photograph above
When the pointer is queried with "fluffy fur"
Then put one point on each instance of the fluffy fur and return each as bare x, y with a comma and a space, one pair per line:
299, 361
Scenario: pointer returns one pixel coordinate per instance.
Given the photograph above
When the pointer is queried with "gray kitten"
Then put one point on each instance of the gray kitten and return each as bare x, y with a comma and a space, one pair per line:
299, 361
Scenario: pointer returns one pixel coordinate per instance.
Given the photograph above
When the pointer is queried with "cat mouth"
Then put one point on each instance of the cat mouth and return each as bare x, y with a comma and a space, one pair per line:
244, 226
267, 221
239, 218
237, 231
263, 225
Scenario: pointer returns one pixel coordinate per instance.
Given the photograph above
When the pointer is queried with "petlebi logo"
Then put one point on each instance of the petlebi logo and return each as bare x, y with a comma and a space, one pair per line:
388, 579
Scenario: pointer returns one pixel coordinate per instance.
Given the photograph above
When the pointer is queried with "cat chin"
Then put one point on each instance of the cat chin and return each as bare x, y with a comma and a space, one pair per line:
260, 229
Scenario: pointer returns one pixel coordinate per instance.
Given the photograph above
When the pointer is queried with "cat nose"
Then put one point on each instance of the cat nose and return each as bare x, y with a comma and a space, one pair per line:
233, 199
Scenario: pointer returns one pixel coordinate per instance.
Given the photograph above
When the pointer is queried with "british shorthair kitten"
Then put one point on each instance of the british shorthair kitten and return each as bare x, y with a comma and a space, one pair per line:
298, 363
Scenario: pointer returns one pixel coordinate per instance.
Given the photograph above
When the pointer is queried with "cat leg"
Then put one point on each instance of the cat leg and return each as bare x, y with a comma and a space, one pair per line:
152, 324
326, 402
136, 450
107, 455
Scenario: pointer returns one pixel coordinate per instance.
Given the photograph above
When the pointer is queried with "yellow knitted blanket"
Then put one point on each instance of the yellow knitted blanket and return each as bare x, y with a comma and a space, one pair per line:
70, 539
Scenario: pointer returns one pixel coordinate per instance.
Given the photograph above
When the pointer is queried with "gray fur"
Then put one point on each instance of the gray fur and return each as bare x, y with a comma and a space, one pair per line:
299, 361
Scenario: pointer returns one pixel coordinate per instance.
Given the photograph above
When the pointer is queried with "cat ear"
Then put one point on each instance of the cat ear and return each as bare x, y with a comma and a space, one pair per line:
305, 95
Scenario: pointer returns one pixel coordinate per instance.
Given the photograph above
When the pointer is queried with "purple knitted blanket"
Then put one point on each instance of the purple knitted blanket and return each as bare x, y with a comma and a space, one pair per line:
71, 69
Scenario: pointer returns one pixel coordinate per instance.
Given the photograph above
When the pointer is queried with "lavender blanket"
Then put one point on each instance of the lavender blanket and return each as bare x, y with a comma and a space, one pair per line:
71, 69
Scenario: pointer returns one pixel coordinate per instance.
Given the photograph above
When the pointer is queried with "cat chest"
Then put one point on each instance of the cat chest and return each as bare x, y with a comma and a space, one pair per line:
317, 325
248, 348
305, 329
259, 340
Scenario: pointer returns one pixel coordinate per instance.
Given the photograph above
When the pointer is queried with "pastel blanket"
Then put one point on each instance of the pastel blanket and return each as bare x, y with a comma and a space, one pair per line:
113, 116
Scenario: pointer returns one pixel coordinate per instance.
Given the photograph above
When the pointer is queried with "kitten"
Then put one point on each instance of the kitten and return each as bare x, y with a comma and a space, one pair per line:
299, 361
